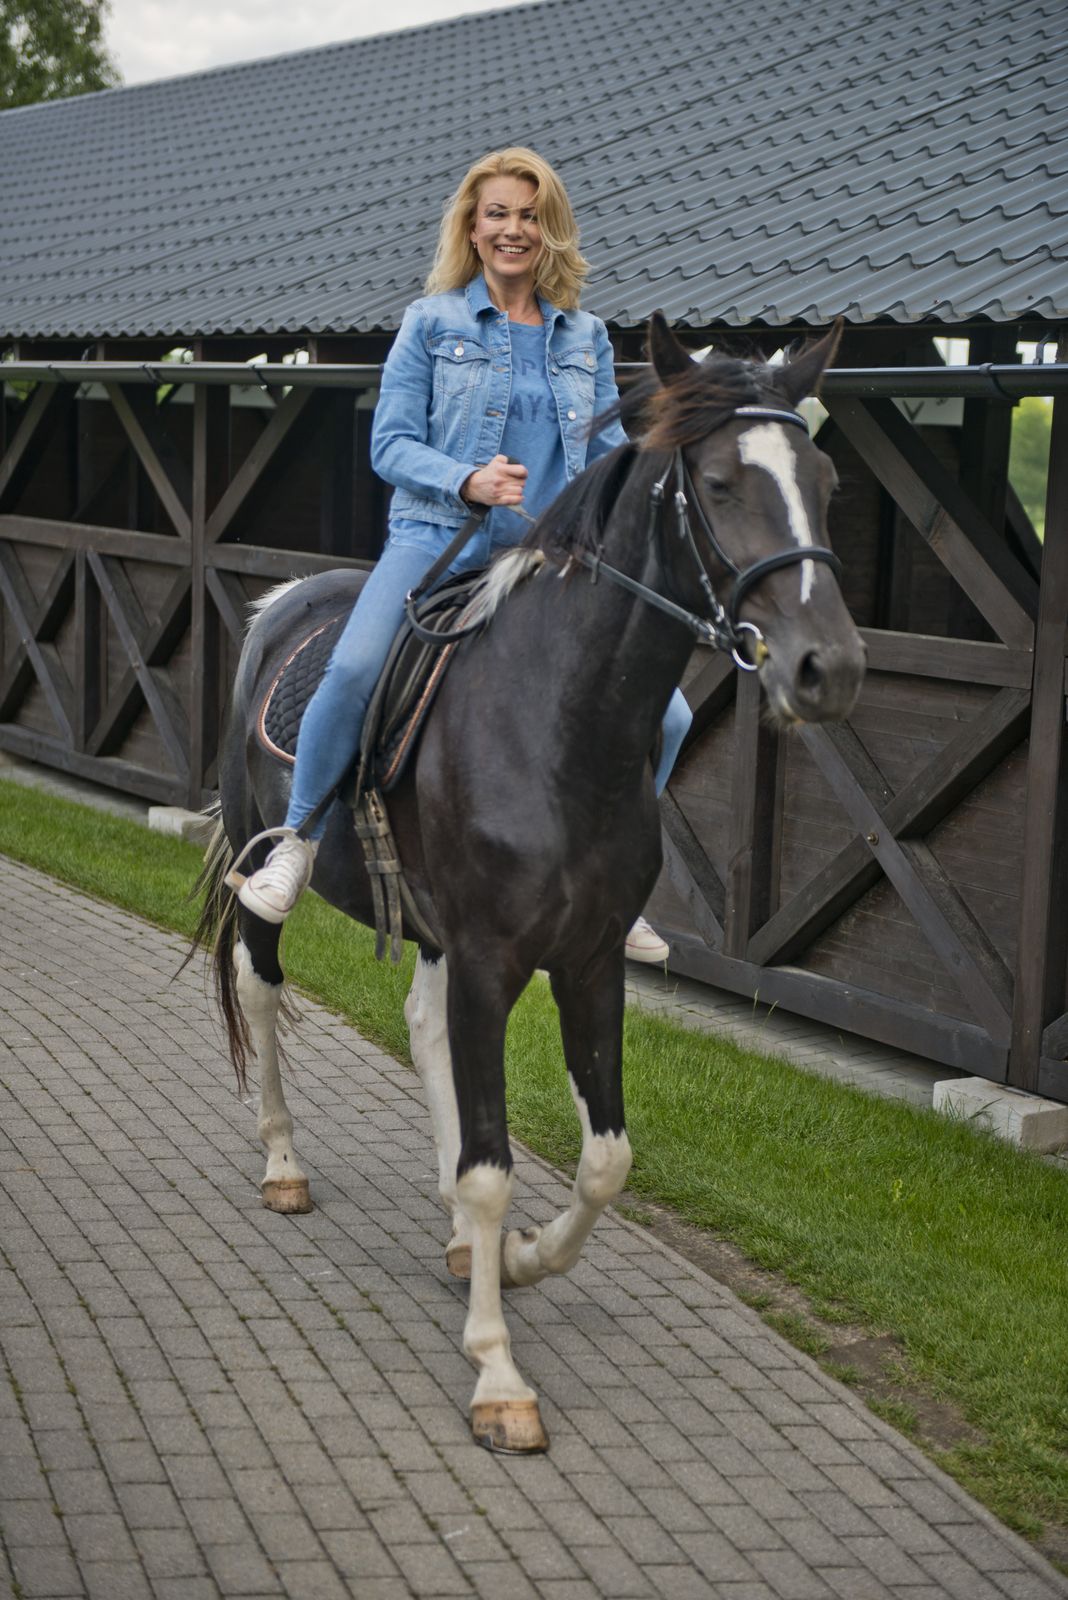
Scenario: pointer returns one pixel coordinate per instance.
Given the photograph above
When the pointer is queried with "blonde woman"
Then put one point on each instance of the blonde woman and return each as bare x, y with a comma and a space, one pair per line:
486, 402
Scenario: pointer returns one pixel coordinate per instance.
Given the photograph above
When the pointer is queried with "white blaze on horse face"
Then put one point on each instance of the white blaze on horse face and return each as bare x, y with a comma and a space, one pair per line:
767, 446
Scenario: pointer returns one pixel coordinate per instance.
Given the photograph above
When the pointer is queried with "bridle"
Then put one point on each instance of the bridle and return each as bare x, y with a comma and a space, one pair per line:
721, 628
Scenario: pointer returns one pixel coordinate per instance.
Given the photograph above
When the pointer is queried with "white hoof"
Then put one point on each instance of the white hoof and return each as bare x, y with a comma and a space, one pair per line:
458, 1260
509, 1427
519, 1260
290, 1196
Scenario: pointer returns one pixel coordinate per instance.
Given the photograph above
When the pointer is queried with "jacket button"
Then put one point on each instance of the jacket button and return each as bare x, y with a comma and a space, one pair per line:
571, 416
589, 361
459, 350
554, 372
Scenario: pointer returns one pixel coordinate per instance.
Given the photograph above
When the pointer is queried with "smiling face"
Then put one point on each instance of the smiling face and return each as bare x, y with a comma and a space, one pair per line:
505, 233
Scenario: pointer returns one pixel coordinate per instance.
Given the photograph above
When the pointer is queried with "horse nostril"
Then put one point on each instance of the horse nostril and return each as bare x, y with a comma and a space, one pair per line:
810, 673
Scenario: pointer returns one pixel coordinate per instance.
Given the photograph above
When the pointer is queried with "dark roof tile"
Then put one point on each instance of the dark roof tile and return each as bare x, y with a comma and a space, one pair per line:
901, 162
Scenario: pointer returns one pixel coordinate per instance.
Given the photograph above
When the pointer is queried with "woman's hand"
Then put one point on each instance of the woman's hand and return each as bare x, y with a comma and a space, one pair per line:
499, 483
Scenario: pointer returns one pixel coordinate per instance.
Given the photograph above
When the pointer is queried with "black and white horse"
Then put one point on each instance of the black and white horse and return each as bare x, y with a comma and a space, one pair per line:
528, 826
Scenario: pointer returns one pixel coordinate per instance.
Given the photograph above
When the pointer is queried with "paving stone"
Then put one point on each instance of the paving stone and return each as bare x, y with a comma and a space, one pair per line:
114, 1580
44, 1570
788, 1575
275, 1406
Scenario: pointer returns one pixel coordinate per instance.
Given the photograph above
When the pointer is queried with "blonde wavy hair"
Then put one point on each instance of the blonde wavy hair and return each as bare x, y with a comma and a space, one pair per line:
559, 270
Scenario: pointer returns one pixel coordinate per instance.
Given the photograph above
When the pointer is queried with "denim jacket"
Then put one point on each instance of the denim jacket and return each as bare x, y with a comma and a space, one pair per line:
445, 390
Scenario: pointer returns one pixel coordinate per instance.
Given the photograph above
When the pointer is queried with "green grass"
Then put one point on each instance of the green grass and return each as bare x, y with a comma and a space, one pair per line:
906, 1223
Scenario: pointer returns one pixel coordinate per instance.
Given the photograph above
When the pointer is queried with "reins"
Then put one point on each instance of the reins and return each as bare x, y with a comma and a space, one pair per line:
721, 628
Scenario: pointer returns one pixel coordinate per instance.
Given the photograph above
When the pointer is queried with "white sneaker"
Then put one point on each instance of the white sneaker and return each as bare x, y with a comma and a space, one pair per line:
274, 890
645, 944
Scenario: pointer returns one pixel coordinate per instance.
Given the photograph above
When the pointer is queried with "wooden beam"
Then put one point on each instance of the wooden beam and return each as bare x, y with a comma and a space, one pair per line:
131, 546
691, 872
211, 460
163, 704
1022, 532
255, 464
44, 658
45, 621
1043, 941
953, 933
159, 643
1053, 1079
756, 803
939, 510
122, 775
1055, 1038
917, 807
710, 691
899, 1023
260, 561
88, 650
337, 439
138, 428
45, 410
958, 660
230, 601
987, 432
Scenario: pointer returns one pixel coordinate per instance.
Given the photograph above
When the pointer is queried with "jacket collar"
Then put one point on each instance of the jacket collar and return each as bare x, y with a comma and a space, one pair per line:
479, 302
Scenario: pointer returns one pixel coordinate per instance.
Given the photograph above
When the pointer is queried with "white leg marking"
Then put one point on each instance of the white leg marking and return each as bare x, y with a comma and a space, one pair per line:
767, 446
260, 1002
485, 1193
428, 1034
602, 1171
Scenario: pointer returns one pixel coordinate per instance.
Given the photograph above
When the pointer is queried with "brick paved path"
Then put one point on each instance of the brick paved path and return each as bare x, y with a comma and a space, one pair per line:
200, 1398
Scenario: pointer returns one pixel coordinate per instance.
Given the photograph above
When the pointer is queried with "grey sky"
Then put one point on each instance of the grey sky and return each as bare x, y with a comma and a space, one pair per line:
159, 38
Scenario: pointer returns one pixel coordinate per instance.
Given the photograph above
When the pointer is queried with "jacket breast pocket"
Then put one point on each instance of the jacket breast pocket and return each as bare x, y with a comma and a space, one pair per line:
578, 368
460, 364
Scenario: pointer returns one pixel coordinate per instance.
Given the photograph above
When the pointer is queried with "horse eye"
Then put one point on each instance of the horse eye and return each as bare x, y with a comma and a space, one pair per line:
716, 485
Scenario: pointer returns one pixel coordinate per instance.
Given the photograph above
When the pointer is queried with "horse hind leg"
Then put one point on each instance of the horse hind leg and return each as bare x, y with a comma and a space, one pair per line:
425, 1011
259, 990
591, 1022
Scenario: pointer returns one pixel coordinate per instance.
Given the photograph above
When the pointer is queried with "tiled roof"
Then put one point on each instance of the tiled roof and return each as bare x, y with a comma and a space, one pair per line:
732, 165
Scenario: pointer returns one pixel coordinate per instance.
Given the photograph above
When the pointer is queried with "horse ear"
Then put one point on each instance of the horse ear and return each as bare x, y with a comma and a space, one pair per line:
801, 376
665, 352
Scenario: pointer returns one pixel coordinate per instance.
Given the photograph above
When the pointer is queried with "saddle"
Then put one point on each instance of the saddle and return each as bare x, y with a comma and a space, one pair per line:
402, 697
396, 714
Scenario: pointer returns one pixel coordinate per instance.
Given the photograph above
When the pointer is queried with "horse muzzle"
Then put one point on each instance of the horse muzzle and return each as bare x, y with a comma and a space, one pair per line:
813, 682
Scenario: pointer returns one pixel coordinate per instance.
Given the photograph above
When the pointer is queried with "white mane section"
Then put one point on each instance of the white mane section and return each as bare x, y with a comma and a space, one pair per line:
506, 573
257, 607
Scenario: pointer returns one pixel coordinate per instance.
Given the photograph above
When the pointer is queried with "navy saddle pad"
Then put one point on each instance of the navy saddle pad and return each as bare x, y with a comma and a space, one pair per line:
402, 698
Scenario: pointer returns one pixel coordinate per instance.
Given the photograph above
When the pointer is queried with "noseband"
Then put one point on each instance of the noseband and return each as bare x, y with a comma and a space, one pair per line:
721, 628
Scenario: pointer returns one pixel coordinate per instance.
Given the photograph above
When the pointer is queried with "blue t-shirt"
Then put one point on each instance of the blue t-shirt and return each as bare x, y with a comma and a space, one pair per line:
531, 434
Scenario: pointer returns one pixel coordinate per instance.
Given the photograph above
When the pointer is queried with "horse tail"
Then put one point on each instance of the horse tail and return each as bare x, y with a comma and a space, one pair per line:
216, 932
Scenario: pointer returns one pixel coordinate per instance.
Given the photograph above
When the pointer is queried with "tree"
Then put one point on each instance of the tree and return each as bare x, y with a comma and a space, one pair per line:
1029, 457
52, 48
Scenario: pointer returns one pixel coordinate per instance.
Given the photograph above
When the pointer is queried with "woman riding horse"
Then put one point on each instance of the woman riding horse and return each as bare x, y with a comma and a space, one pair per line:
496, 365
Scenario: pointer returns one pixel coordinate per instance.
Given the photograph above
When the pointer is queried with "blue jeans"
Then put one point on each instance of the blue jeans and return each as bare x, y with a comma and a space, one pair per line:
331, 726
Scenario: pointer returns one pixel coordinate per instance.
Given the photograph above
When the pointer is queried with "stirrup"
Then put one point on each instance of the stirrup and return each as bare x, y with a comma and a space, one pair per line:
236, 880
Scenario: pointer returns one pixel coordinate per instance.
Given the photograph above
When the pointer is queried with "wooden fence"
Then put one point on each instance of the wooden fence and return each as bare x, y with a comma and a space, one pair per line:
898, 876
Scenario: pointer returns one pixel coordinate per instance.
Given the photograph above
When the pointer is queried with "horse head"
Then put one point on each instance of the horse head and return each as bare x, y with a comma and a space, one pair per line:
757, 491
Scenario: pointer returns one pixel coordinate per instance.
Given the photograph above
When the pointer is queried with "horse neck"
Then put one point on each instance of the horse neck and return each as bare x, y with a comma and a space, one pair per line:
629, 653
648, 548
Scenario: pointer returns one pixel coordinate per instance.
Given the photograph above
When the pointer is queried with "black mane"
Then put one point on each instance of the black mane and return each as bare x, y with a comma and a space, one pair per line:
658, 417
576, 519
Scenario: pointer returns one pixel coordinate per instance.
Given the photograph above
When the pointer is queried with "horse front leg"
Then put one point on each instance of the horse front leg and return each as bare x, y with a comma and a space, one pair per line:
259, 991
426, 1013
504, 1409
591, 1024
